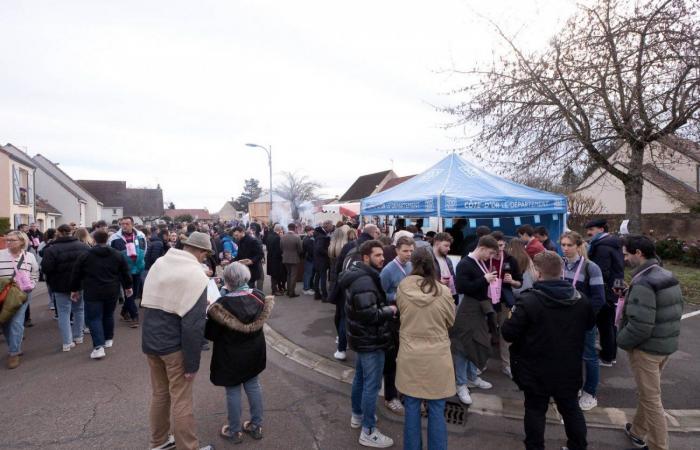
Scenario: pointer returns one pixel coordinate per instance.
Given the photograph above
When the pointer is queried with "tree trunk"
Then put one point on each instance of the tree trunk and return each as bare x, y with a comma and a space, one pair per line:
633, 188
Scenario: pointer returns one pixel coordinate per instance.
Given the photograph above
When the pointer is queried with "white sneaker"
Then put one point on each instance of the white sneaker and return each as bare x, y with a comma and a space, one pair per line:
463, 394
395, 406
479, 383
506, 371
78, 340
98, 353
355, 421
587, 401
337, 339
168, 445
340, 356
109, 343
66, 348
376, 440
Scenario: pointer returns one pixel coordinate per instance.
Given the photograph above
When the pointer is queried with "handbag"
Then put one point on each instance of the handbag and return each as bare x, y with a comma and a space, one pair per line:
11, 299
22, 278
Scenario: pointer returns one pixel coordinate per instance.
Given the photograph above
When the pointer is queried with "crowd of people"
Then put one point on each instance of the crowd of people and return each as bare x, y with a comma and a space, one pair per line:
417, 323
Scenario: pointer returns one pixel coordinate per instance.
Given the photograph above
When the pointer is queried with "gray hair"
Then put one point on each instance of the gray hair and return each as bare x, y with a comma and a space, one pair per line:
278, 228
236, 275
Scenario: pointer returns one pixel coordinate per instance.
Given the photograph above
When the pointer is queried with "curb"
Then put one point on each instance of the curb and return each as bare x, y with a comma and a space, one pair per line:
679, 420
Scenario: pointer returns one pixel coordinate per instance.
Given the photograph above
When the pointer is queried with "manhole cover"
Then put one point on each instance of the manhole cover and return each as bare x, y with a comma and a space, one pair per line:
455, 413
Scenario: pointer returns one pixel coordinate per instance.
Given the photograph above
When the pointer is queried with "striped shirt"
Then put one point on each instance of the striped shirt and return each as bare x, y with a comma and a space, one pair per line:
8, 263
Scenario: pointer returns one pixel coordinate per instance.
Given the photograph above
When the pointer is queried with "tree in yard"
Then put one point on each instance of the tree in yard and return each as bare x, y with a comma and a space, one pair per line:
251, 191
184, 218
619, 76
296, 189
171, 205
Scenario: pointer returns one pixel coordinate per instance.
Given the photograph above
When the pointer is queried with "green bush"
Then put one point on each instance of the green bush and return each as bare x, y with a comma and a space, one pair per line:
691, 256
670, 249
4, 225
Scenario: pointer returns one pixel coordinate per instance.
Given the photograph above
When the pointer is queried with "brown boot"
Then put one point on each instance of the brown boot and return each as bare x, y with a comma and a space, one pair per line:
13, 362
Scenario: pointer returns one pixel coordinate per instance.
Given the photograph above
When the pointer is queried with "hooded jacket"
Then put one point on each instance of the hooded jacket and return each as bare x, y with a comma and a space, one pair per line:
235, 326
118, 242
424, 365
653, 309
606, 251
99, 273
322, 241
547, 330
366, 309
58, 260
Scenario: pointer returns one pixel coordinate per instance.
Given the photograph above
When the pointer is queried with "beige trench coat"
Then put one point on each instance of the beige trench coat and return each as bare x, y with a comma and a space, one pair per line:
424, 365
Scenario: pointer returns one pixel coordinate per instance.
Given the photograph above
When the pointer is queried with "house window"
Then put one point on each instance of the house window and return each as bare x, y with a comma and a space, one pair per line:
114, 211
23, 187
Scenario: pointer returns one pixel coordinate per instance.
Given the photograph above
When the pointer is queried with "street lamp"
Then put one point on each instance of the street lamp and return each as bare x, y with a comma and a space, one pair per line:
268, 150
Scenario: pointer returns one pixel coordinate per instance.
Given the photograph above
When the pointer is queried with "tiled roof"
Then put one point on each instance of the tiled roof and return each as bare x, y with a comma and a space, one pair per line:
684, 146
136, 202
44, 206
110, 193
48, 167
202, 214
395, 182
364, 186
17, 154
671, 186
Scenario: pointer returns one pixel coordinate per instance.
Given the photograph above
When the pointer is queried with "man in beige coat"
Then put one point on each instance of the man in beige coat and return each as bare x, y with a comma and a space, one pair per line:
291, 257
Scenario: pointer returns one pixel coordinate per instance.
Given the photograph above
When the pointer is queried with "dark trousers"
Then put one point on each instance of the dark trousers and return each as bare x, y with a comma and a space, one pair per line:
608, 337
99, 317
321, 282
130, 307
340, 326
292, 270
390, 392
536, 406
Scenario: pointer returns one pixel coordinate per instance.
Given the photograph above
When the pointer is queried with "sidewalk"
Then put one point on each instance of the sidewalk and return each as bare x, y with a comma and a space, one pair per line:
303, 330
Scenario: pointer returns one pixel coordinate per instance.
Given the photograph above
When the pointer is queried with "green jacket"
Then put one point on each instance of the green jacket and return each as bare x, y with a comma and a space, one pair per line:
653, 308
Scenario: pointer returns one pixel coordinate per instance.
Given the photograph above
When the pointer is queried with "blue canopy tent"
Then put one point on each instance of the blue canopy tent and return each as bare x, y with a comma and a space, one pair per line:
456, 188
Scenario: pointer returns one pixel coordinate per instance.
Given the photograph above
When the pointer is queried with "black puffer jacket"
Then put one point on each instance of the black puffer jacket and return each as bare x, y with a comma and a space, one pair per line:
156, 249
235, 327
547, 329
606, 252
59, 258
100, 272
366, 309
322, 241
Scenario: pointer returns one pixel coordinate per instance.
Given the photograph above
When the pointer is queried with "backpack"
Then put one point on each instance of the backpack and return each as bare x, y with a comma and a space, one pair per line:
11, 299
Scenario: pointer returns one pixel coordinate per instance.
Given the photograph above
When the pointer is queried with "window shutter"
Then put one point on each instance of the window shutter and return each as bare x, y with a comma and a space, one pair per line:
30, 188
15, 185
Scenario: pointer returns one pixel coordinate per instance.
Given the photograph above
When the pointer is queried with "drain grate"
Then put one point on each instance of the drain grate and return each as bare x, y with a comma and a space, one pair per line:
455, 413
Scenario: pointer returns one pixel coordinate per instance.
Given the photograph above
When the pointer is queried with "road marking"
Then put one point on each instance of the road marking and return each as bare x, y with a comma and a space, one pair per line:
691, 314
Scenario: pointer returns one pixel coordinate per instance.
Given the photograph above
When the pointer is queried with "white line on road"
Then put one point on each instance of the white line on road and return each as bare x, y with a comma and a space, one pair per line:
691, 314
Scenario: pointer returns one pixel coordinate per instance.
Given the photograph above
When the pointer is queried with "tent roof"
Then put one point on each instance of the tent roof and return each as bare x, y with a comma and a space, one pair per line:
458, 188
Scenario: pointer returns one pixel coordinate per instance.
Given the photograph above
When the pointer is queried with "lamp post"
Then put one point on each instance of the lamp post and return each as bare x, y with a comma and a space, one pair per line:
268, 150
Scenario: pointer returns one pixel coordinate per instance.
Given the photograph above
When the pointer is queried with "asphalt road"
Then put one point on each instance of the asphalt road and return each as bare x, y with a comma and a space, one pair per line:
57, 400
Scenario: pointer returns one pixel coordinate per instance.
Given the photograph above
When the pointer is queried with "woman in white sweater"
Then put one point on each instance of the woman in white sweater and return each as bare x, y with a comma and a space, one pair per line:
16, 256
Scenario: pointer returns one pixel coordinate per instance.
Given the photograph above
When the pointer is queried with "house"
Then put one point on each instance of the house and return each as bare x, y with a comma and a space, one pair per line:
367, 185
395, 182
260, 209
46, 214
17, 186
143, 204
197, 214
671, 186
228, 212
75, 203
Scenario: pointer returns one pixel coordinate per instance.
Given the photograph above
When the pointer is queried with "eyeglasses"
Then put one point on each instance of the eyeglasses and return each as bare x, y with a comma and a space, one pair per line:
12, 240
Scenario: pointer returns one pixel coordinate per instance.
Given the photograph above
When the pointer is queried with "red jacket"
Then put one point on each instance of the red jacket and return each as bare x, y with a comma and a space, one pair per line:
534, 247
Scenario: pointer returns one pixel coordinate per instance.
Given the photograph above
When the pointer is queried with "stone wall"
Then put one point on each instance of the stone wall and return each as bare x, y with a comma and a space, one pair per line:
660, 226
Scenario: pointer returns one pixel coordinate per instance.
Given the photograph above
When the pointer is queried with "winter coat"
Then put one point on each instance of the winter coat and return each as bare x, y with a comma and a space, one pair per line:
250, 248
117, 242
424, 364
58, 260
322, 241
308, 246
235, 326
275, 268
291, 248
156, 249
228, 246
99, 273
653, 310
366, 310
606, 251
534, 247
470, 334
547, 330
351, 249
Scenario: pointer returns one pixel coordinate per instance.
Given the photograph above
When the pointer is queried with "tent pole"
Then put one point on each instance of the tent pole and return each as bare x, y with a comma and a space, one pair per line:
439, 215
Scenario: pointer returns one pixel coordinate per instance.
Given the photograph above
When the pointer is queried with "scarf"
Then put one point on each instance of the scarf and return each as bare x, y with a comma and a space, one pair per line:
174, 283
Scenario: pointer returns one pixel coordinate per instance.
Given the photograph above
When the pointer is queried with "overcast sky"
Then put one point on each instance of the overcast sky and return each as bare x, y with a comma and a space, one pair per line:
170, 91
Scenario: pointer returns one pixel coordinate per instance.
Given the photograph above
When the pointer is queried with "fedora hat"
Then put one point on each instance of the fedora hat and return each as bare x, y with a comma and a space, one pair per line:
199, 240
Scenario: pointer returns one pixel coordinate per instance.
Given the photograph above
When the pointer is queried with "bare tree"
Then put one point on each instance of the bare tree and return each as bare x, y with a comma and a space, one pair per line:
620, 75
581, 209
296, 189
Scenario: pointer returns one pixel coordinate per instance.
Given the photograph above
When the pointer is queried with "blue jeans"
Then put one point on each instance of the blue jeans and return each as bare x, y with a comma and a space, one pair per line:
308, 275
130, 302
437, 429
590, 361
465, 370
365, 386
99, 316
233, 402
13, 329
342, 332
64, 307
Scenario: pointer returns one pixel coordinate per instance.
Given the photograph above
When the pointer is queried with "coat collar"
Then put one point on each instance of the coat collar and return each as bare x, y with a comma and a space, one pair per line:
219, 314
